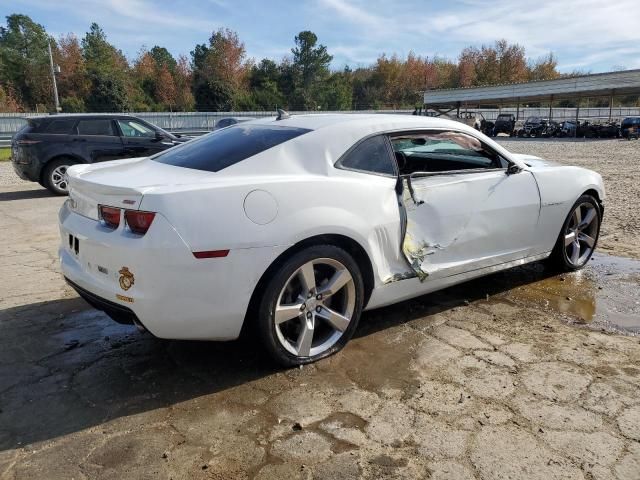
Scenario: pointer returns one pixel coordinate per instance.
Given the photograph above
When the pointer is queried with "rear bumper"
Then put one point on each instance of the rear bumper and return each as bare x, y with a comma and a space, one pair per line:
30, 171
173, 294
117, 312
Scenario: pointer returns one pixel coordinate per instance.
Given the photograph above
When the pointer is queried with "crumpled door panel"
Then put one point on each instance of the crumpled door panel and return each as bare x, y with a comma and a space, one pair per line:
460, 222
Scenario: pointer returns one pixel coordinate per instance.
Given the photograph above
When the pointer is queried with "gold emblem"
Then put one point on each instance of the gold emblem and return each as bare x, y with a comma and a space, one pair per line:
126, 278
123, 298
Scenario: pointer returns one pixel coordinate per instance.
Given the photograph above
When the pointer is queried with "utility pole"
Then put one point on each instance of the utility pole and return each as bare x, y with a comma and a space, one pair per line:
53, 78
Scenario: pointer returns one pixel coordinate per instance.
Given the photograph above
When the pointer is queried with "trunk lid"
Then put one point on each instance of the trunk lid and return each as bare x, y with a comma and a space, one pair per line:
122, 183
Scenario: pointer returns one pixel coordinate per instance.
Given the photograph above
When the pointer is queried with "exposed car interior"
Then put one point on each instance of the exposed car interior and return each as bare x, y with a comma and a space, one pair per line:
442, 152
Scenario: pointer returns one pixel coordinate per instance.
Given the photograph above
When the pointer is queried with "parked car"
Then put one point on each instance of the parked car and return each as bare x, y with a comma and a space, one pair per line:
295, 226
477, 121
533, 127
46, 147
505, 123
228, 121
567, 129
628, 124
607, 130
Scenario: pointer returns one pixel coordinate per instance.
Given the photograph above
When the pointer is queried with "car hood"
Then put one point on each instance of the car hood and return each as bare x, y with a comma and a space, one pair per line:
533, 161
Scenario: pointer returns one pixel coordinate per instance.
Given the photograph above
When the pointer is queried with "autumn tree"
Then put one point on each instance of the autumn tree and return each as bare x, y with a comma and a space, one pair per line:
183, 77
544, 68
219, 70
309, 69
8, 101
24, 61
73, 81
467, 61
108, 69
166, 93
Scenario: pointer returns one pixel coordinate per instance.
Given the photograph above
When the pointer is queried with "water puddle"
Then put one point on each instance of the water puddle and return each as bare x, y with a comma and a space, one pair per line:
605, 294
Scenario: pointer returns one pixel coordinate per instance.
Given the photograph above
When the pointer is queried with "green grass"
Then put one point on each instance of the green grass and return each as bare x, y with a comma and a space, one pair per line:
5, 153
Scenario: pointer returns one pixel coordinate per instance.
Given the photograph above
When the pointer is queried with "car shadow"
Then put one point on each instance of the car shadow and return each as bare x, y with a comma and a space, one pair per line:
65, 367
25, 195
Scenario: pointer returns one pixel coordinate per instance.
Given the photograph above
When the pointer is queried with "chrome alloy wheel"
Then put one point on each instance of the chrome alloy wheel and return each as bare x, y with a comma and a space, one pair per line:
314, 307
581, 234
59, 177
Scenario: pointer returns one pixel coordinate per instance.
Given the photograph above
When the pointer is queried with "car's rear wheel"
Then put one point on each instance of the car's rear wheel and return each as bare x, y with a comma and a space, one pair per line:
579, 235
311, 307
54, 177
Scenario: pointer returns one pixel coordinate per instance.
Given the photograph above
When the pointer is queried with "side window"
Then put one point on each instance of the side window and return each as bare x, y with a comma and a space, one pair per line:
60, 126
131, 128
370, 155
442, 152
96, 127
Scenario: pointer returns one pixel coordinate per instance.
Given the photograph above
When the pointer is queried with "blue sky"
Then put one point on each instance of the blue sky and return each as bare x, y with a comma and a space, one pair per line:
591, 35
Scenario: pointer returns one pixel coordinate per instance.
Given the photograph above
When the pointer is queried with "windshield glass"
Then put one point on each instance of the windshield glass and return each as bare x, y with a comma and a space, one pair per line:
228, 146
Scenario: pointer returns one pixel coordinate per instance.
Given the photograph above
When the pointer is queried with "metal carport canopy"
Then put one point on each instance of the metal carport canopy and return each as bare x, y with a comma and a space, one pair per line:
601, 84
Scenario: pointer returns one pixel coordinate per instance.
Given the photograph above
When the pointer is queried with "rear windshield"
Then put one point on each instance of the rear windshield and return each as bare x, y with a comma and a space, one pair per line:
504, 117
630, 121
227, 146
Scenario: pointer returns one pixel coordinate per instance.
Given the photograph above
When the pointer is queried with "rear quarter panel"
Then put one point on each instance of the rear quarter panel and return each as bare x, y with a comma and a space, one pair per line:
360, 206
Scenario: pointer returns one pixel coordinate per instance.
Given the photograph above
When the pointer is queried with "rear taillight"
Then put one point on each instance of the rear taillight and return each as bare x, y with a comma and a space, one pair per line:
139, 222
24, 142
110, 216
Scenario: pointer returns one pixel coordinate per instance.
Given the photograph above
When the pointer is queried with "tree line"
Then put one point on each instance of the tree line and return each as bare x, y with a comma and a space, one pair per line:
95, 76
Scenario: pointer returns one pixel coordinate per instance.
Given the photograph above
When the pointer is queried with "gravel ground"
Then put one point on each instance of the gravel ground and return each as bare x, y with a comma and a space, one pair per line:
618, 161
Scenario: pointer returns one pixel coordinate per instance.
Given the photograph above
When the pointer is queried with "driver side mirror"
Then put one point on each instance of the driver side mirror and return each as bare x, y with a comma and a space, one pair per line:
513, 168
160, 136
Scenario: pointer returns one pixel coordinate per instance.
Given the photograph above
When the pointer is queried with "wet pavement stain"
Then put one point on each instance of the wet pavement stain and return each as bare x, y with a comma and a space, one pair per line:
605, 294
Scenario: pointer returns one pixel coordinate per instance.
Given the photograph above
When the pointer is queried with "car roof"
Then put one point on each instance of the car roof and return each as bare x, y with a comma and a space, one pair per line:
331, 135
78, 116
361, 121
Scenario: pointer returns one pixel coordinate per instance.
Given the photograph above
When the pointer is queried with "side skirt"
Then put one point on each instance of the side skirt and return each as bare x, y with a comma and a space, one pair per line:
401, 290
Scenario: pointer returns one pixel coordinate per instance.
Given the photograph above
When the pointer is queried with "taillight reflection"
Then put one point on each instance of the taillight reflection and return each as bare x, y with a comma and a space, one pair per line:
110, 216
139, 222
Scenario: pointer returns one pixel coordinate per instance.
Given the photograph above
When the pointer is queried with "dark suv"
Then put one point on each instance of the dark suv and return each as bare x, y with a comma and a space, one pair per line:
505, 123
44, 148
629, 125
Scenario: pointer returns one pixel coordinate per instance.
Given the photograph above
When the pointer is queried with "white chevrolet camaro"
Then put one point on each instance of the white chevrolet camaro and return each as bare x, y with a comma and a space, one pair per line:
295, 226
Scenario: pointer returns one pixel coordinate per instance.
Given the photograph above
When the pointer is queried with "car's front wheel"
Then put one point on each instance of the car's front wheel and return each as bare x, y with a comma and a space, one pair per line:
54, 177
579, 235
311, 307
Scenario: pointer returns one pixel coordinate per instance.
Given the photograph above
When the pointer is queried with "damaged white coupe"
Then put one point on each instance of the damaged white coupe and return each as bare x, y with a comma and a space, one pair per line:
289, 228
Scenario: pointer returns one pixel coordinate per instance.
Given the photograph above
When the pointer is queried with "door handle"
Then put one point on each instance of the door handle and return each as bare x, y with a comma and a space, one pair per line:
79, 140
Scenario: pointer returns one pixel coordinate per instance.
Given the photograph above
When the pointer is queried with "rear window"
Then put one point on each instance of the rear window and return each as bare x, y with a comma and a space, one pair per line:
60, 126
627, 122
226, 147
95, 127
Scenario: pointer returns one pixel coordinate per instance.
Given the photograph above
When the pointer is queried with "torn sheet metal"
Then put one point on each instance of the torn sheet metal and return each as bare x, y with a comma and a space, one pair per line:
461, 221
431, 226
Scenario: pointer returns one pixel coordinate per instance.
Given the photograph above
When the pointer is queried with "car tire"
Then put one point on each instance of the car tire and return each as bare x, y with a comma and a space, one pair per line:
564, 256
308, 335
53, 175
